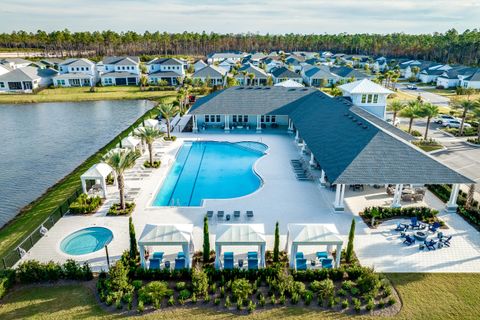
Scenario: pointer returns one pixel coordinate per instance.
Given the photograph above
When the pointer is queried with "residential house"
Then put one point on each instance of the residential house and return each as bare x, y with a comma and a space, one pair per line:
76, 73
4, 68
316, 76
306, 54
367, 95
26, 79
281, 74
254, 58
200, 64
347, 73
220, 56
471, 81
295, 62
260, 76
289, 84
212, 74
358, 61
166, 69
119, 71
227, 64
15, 63
271, 63
52, 62
380, 64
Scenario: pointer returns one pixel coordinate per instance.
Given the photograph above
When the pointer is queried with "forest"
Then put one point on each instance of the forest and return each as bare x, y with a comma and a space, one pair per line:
449, 47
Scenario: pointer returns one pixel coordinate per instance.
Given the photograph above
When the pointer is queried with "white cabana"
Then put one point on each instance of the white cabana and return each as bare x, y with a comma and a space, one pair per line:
311, 235
150, 123
98, 173
132, 143
167, 235
240, 235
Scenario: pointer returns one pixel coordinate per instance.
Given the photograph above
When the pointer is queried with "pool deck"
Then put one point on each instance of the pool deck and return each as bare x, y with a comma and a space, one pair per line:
282, 198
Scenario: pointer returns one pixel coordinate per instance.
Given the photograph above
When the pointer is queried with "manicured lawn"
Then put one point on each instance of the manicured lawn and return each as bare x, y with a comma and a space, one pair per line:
84, 94
402, 96
425, 296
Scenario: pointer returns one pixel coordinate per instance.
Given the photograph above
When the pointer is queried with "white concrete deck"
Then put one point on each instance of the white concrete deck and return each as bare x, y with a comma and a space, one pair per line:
281, 198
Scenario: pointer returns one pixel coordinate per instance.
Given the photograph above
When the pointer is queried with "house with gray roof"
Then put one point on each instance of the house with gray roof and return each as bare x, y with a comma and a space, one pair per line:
283, 73
166, 69
200, 64
243, 77
215, 76
15, 63
347, 73
471, 81
119, 71
26, 79
454, 77
317, 76
220, 56
349, 144
76, 73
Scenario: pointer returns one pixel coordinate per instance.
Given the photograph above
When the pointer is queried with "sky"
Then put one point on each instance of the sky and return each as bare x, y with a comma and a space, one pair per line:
237, 16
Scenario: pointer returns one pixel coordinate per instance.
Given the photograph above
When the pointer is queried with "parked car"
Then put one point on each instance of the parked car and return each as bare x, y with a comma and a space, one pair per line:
412, 87
443, 117
397, 122
454, 124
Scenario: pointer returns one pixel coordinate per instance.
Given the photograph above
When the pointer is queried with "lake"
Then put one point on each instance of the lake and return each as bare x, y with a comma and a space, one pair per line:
43, 142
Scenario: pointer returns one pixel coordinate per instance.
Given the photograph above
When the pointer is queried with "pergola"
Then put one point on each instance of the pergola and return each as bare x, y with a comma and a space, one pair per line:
132, 143
98, 173
167, 235
310, 234
240, 235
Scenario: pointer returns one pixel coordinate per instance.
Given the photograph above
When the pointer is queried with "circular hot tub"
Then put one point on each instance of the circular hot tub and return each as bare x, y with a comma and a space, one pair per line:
86, 241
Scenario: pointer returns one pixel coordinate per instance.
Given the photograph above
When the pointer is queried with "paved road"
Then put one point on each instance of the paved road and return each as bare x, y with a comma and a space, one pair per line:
426, 96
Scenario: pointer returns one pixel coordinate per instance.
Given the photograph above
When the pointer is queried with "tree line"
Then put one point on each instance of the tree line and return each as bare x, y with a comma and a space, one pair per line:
450, 47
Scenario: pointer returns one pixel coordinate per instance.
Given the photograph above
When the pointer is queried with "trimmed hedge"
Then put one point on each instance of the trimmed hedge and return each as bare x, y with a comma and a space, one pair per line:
32, 271
85, 204
7, 279
422, 213
471, 215
156, 164
116, 211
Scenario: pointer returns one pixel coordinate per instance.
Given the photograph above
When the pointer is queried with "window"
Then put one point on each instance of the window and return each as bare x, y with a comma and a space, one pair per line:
245, 118
123, 68
218, 118
207, 118
86, 68
234, 118
369, 98
375, 98
364, 98
273, 119
267, 118
83, 69
262, 119
2, 84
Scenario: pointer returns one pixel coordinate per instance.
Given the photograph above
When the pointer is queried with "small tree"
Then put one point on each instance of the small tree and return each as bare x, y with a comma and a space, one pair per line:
430, 111
470, 194
351, 235
412, 111
465, 106
396, 106
168, 111
133, 240
206, 241
276, 244
149, 134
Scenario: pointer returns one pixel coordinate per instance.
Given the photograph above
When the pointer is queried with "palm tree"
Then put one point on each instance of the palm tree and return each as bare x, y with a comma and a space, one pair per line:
121, 160
466, 106
411, 111
149, 134
251, 76
143, 81
168, 111
396, 106
430, 111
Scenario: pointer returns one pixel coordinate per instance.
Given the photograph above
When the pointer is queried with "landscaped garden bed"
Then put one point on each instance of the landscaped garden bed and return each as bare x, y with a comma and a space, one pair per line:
474, 141
85, 204
428, 145
115, 209
373, 216
155, 164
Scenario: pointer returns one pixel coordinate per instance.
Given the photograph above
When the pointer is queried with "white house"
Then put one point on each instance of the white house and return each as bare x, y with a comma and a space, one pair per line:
220, 56
76, 73
215, 75
472, 81
260, 76
283, 73
272, 63
15, 63
317, 76
367, 95
26, 79
119, 71
227, 64
430, 74
168, 69
200, 64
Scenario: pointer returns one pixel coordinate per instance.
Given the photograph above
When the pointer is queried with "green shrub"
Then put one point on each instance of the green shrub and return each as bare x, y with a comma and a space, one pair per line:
85, 204
222, 292
251, 306
206, 298
115, 209
137, 284
282, 300
239, 304
341, 292
118, 304
348, 285
273, 299
181, 285
194, 298
140, 306
345, 304
422, 213
416, 133
354, 291
184, 294
241, 289
261, 300
199, 281
213, 288
308, 297
155, 164
391, 301
331, 302
357, 305
7, 279
154, 291
324, 288
381, 304
370, 305
171, 301
228, 304
369, 282
295, 298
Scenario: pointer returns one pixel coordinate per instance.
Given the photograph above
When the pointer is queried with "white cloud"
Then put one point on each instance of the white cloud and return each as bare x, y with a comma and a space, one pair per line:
272, 16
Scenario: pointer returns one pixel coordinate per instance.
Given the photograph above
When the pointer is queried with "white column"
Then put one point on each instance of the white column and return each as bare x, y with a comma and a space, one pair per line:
104, 188
312, 159
322, 178
452, 202
84, 186
290, 125
227, 123
339, 195
397, 196
293, 259
259, 125
195, 125
297, 136
186, 252
339, 254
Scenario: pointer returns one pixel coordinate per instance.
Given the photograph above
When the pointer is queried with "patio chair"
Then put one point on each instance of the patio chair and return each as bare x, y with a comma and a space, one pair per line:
409, 240
249, 214
327, 263
418, 197
154, 264
220, 214
445, 240
252, 264
179, 264
401, 227
301, 264
430, 244
158, 255
228, 255
209, 214
236, 214
322, 255
434, 227
228, 264
240, 263
414, 223
181, 255
299, 255
167, 265
252, 255
407, 197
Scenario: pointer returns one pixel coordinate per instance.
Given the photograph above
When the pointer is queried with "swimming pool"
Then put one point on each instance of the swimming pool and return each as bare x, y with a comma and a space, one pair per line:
211, 170
86, 240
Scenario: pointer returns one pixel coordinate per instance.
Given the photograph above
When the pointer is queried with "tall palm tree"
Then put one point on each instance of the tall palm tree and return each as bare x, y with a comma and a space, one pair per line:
251, 76
121, 160
396, 106
149, 134
430, 111
411, 111
465, 106
168, 111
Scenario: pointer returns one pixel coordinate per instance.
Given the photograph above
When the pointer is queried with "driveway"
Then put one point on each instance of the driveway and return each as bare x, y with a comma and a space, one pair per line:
426, 96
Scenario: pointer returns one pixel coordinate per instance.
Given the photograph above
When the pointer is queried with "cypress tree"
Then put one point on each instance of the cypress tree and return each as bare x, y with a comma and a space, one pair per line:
133, 240
206, 241
276, 244
351, 235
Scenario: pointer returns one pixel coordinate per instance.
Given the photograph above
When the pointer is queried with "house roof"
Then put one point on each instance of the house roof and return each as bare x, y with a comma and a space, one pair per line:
474, 77
15, 61
164, 74
320, 73
210, 71
166, 234
346, 72
310, 233
364, 86
121, 61
97, 171
74, 62
165, 61
27, 74
119, 74
349, 146
224, 55
238, 234
284, 72
74, 75
289, 84
258, 72
200, 62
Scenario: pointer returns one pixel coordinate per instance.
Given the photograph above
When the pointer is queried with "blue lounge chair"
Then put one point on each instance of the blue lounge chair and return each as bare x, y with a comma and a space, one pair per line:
167, 265
179, 264
446, 240
322, 255
228, 264
181, 255
299, 255
154, 264
252, 254
301, 264
228, 255
327, 263
158, 255
252, 264
409, 240
430, 244
401, 227
434, 227
414, 223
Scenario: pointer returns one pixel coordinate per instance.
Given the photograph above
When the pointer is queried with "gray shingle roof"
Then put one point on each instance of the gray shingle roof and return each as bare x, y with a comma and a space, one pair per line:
74, 62
320, 73
164, 74
121, 61
259, 73
285, 73
119, 74
27, 74
210, 72
346, 72
166, 61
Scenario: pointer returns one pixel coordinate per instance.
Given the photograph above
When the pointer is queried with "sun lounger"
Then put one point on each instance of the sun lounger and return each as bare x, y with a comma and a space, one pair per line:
299, 255
327, 263
401, 227
252, 255
446, 240
322, 255
220, 214
179, 264
249, 214
430, 244
236, 214
181, 255
252, 264
154, 264
158, 255
209, 214
409, 240
228, 264
434, 227
301, 264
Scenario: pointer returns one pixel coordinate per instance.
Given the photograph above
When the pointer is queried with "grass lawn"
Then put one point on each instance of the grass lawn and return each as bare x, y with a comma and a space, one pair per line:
425, 296
84, 94
401, 96
429, 148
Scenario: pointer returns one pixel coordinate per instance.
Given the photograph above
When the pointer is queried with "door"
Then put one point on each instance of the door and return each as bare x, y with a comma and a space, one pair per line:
120, 81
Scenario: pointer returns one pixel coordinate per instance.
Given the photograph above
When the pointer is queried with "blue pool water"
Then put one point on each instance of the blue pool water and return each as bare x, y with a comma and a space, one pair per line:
211, 170
86, 240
